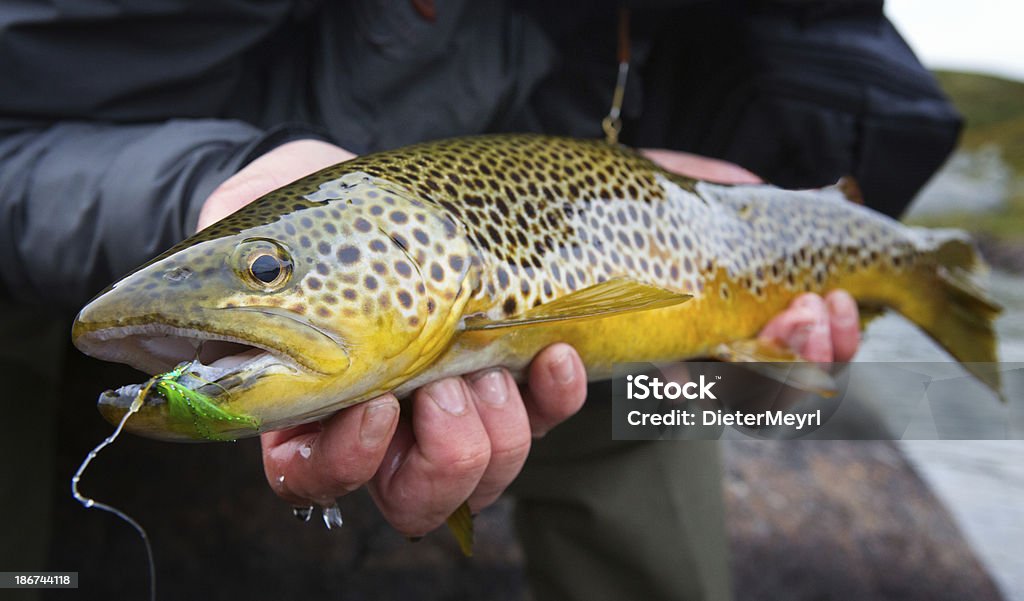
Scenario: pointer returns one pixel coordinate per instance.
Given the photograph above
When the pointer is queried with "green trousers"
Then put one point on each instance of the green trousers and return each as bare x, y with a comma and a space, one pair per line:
604, 519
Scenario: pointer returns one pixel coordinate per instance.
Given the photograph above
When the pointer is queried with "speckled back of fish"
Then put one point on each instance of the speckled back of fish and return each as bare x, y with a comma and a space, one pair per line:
454, 255
547, 216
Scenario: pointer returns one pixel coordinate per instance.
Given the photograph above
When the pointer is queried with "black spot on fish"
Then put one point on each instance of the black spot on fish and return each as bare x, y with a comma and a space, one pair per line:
348, 254
404, 298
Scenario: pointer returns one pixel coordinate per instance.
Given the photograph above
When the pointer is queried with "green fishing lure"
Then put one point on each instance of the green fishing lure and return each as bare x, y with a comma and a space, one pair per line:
188, 405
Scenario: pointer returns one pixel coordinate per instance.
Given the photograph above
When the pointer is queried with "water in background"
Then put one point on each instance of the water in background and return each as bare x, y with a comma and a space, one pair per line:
981, 482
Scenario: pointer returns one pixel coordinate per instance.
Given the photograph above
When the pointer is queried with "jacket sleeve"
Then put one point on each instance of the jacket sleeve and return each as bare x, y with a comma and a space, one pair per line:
83, 203
112, 132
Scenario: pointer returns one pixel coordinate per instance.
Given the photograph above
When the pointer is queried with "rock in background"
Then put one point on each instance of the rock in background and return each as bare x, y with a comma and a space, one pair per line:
841, 520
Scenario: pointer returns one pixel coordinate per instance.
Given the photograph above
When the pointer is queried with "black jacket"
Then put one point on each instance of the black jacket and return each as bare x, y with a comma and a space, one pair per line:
117, 121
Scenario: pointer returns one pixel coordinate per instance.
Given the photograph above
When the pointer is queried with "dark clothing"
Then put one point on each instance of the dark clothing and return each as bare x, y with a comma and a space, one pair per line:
117, 121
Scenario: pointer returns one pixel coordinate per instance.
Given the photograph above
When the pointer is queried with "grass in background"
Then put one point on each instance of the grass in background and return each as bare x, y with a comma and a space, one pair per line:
994, 111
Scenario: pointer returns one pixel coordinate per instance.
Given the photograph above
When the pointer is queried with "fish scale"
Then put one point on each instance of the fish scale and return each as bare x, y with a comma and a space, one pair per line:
400, 267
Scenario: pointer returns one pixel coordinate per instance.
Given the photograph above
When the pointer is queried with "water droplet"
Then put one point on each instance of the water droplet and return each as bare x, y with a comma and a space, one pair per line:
332, 517
302, 513
280, 479
305, 451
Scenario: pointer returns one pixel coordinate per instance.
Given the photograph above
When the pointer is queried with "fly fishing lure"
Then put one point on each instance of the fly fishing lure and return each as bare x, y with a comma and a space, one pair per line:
186, 404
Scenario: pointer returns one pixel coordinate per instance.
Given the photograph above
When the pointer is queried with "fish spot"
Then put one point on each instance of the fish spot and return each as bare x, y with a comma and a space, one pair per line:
348, 254
404, 298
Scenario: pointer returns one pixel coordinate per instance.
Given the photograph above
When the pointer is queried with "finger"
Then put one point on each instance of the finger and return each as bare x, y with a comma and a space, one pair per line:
436, 459
277, 168
318, 464
701, 167
803, 328
557, 387
845, 324
504, 417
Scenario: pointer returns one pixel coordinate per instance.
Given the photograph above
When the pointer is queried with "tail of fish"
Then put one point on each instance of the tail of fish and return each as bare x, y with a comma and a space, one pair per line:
958, 313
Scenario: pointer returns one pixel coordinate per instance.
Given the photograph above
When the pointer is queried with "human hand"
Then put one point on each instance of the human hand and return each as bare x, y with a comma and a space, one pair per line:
463, 438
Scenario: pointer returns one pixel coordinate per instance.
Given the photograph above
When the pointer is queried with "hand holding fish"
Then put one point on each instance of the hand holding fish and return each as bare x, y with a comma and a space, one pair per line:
466, 437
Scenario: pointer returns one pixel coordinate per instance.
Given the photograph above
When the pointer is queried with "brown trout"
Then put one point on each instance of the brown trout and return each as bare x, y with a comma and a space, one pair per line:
397, 268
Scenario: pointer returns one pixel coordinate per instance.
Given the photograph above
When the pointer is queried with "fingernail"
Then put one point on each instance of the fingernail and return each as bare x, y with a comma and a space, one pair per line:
842, 307
448, 395
798, 337
378, 418
490, 386
562, 367
811, 301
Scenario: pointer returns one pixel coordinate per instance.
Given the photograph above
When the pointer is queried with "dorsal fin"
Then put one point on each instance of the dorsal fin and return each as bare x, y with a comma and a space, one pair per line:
619, 295
851, 189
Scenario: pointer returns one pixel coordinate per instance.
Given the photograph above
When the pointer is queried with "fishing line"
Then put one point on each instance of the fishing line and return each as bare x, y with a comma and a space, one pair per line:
93, 504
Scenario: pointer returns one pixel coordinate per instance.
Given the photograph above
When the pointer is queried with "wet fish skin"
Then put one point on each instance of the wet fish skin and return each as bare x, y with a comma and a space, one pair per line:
445, 257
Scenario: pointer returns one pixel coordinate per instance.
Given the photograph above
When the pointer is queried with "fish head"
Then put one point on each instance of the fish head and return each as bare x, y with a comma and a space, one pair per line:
293, 307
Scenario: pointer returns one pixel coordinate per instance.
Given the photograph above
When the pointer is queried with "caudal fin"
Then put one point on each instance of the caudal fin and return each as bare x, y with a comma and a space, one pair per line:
957, 312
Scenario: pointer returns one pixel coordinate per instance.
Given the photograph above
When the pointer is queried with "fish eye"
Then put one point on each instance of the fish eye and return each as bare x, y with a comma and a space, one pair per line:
266, 268
263, 264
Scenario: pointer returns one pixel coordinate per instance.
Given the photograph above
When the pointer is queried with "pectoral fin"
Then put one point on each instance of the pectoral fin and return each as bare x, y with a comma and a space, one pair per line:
461, 525
778, 363
612, 297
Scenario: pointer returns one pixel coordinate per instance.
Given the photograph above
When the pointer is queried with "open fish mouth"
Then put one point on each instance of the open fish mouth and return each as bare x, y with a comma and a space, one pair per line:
216, 363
